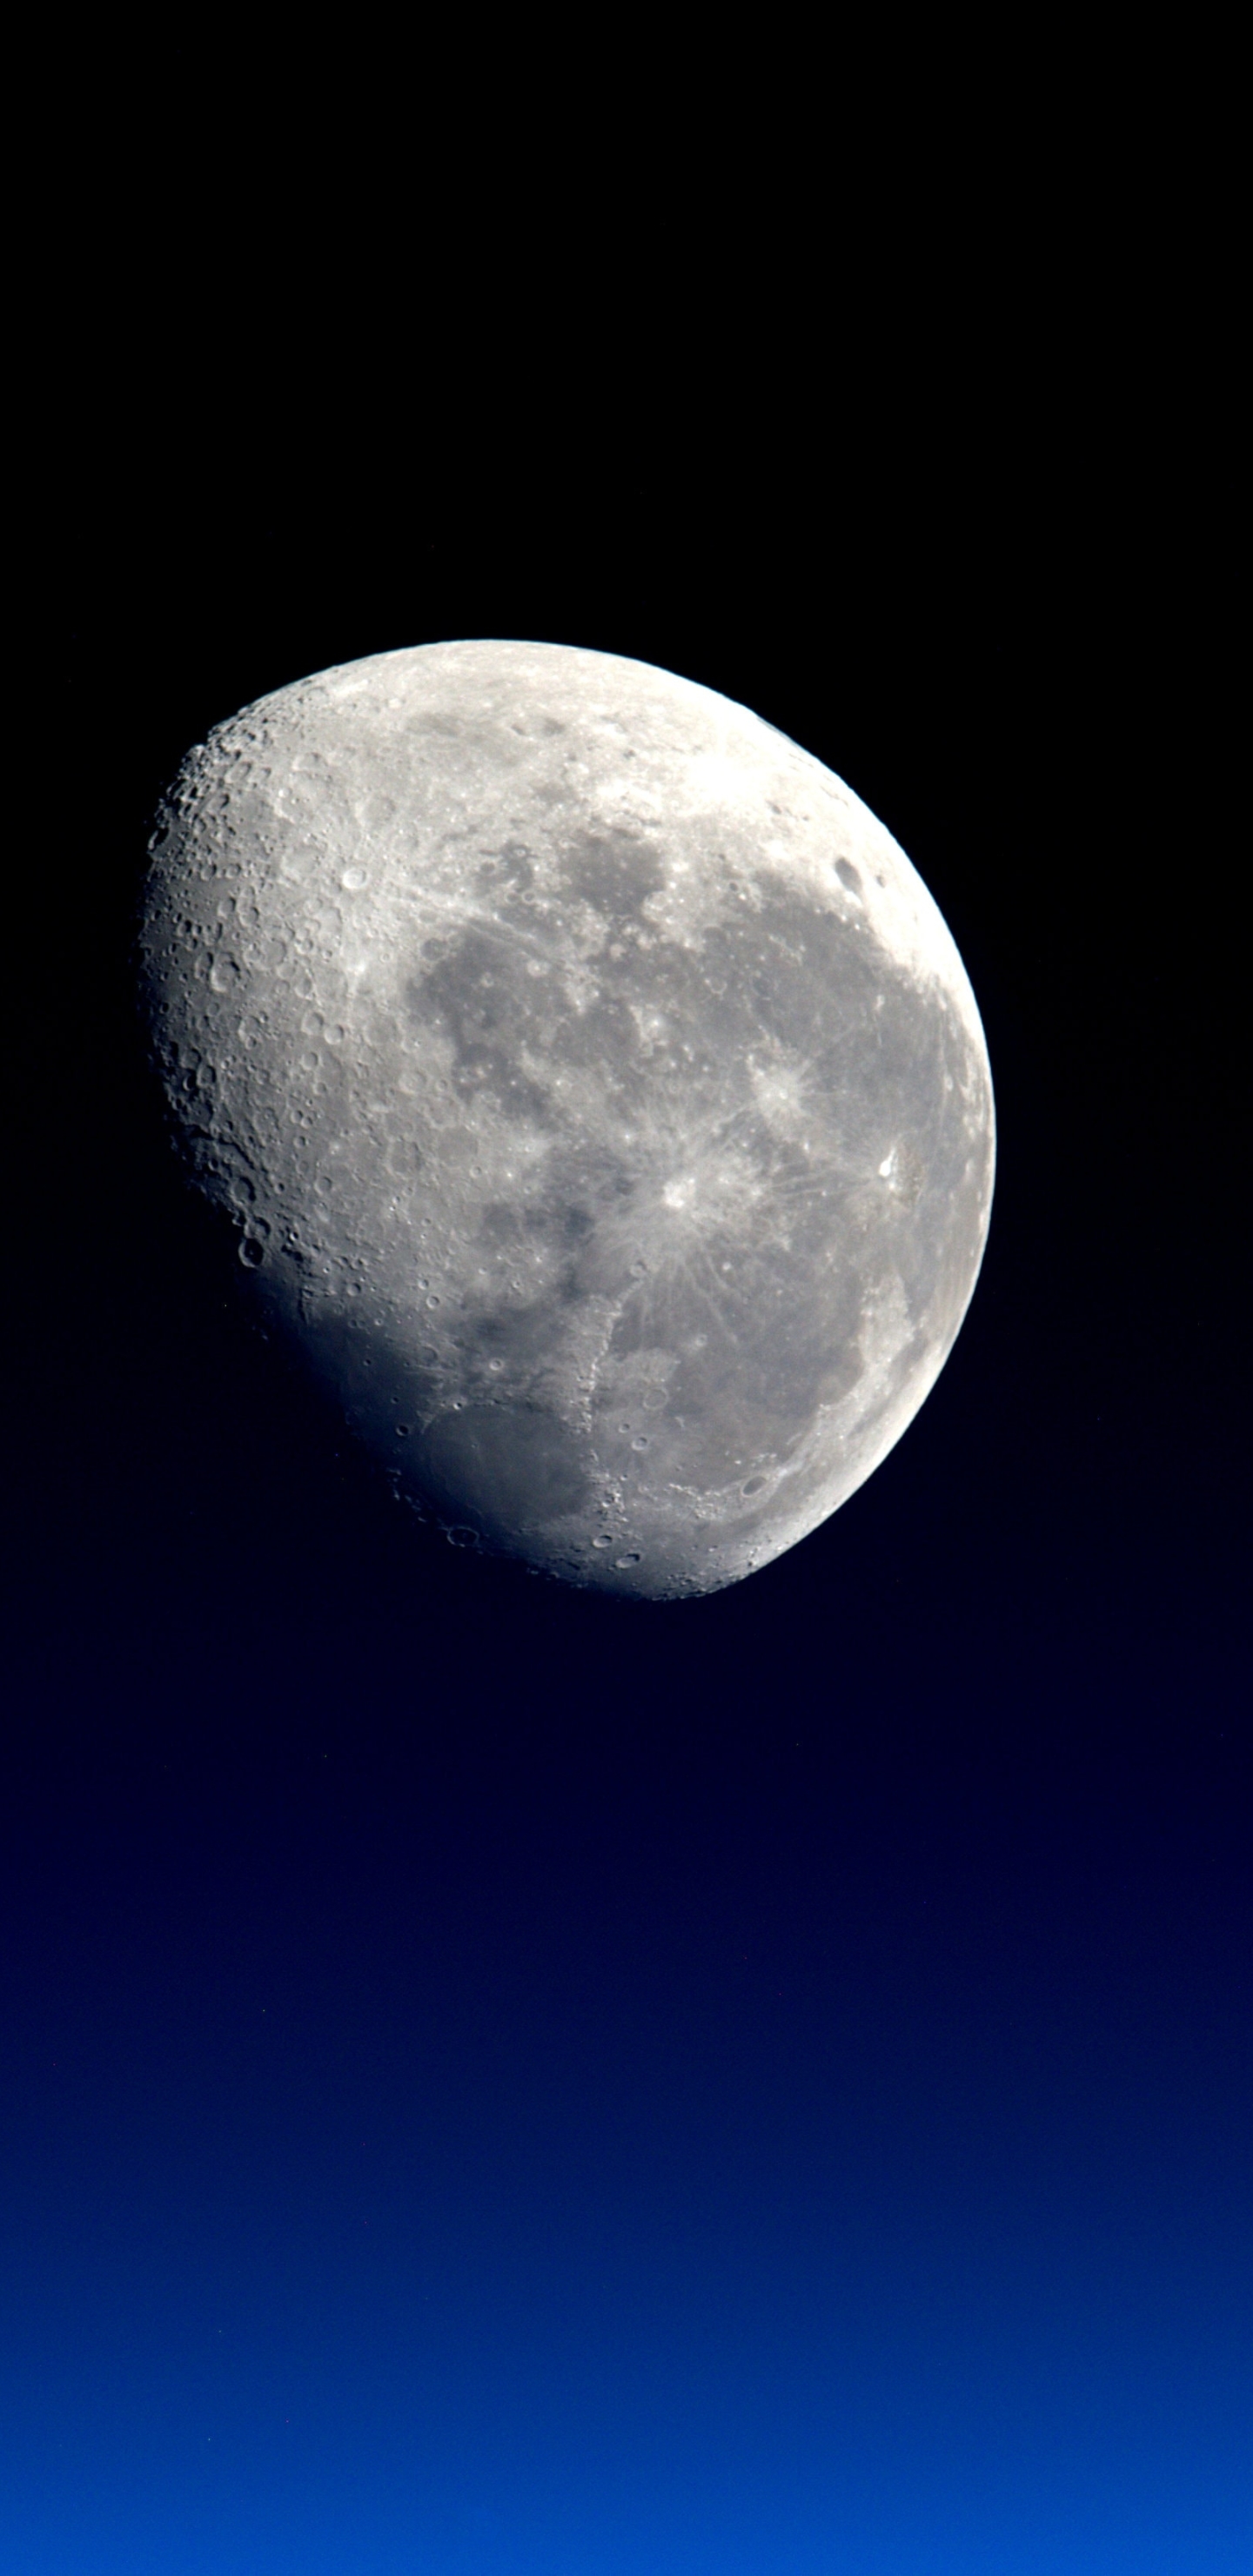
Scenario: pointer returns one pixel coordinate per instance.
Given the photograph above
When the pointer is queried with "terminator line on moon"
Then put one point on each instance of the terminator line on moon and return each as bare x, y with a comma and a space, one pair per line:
596, 1089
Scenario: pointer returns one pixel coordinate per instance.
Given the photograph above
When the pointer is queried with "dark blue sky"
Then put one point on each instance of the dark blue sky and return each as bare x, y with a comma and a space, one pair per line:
499, 2081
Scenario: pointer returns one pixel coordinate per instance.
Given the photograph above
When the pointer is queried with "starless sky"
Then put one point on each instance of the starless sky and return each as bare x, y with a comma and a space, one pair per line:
502, 2080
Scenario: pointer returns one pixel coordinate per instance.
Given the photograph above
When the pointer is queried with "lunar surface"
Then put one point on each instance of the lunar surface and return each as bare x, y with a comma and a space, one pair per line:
596, 1091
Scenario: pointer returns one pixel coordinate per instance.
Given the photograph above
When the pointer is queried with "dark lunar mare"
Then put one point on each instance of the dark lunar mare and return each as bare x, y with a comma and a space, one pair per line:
887, 1069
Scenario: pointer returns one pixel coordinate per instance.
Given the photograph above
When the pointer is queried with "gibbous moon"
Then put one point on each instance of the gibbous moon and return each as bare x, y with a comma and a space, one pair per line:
596, 1090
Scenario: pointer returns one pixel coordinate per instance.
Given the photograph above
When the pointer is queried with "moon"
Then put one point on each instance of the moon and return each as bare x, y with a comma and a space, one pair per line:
595, 1089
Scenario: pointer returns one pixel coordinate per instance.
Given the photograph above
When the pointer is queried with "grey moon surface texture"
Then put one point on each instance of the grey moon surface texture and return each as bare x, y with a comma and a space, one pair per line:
597, 1092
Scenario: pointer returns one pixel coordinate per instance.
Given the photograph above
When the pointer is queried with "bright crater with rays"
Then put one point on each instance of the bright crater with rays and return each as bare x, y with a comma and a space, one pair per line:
594, 1088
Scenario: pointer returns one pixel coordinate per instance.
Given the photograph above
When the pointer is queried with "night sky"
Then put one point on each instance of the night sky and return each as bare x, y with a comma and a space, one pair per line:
497, 2082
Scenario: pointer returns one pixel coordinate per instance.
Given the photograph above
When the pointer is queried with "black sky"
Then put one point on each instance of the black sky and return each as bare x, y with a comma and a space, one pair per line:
496, 2079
